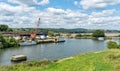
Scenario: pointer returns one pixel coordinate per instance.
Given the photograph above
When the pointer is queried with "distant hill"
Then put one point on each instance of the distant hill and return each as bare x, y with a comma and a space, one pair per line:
64, 30
78, 29
61, 30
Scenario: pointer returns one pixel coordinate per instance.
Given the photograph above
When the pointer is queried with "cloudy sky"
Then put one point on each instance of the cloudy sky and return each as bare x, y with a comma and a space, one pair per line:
89, 14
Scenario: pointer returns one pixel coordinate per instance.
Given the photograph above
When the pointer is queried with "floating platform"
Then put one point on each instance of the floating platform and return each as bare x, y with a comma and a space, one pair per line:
17, 58
54, 40
45, 41
58, 41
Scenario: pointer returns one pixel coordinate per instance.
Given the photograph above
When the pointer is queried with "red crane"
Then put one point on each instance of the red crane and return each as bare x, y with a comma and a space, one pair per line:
33, 36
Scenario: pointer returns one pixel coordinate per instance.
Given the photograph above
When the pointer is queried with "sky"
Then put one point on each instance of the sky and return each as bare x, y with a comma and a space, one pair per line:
88, 14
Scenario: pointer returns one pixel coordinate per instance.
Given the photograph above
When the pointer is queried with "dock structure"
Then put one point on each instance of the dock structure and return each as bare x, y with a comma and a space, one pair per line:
52, 40
45, 41
17, 58
9, 34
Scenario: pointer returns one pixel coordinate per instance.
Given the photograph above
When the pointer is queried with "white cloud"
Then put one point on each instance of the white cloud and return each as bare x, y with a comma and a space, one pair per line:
30, 2
50, 18
43, 2
88, 4
9, 8
104, 13
55, 10
104, 20
27, 16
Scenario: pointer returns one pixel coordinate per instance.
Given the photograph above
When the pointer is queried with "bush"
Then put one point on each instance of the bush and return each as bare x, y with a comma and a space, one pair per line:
7, 42
3, 27
78, 36
1, 45
98, 33
12, 42
112, 45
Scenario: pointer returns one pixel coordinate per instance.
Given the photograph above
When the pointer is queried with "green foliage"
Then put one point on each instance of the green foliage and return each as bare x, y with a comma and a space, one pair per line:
7, 42
98, 33
83, 36
9, 30
57, 34
113, 56
86, 36
68, 35
12, 42
85, 62
26, 66
3, 27
55, 30
50, 33
112, 45
78, 36
3, 43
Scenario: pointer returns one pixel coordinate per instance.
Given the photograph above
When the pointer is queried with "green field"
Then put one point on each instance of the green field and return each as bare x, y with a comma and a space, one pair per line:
108, 60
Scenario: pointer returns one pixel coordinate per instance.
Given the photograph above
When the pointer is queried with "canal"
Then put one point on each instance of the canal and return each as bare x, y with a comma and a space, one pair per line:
53, 51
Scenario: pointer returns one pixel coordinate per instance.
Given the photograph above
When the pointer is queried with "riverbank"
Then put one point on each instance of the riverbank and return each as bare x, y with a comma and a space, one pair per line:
107, 60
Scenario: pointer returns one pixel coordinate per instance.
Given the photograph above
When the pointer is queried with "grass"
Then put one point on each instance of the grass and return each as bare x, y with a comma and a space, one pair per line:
108, 60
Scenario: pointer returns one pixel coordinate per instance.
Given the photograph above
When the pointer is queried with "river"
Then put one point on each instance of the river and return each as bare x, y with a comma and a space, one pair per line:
53, 51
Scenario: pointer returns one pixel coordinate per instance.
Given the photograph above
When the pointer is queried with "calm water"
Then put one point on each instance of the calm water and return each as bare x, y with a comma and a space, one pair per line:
53, 51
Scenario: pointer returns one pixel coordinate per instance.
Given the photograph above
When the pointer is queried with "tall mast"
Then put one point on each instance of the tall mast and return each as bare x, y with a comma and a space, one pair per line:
37, 25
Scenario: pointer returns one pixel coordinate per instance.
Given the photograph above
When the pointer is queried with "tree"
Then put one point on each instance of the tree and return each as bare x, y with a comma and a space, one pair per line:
78, 36
50, 33
7, 42
98, 33
68, 35
3, 27
3, 43
12, 42
10, 30
57, 34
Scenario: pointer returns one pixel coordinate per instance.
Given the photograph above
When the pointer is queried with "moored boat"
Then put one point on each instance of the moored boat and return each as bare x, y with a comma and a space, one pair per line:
61, 41
57, 40
27, 43
100, 38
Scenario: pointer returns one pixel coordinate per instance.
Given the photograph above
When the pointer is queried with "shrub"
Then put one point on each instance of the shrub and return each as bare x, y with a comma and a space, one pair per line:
3, 27
7, 42
12, 42
98, 33
78, 36
112, 44
1, 45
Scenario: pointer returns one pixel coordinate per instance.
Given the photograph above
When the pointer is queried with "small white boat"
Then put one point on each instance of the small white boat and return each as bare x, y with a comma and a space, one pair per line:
57, 40
28, 43
18, 58
100, 38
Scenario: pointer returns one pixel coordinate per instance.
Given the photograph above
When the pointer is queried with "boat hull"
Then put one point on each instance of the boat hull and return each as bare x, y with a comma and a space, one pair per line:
27, 43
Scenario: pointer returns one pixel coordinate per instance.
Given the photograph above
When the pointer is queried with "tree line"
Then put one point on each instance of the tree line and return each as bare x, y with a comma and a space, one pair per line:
4, 41
5, 28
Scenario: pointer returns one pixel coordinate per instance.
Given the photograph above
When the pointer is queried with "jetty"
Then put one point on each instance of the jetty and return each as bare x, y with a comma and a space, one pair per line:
16, 58
52, 40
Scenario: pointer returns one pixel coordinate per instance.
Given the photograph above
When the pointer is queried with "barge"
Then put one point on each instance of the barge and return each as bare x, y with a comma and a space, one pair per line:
17, 58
